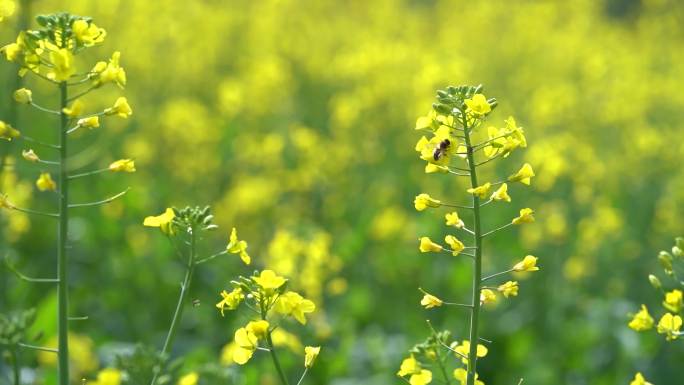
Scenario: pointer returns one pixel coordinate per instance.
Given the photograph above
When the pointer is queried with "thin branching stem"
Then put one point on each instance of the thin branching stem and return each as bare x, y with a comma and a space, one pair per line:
38, 142
496, 275
101, 202
88, 173
34, 212
497, 229
306, 370
49, 111
41, 348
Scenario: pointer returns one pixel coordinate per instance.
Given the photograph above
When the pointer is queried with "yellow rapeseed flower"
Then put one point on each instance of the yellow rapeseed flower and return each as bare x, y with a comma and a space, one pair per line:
673, 301
463, 349
269, 280
163, 221
526, 216
4, 202
75, 109
508, 289
230, 300
426, 245
258, 328
477, 105
123, 165
461, 375
480, 191
45, 182
120, 108
529, 263
642, 320
62, 61
669, 325
108, 376
88, 33
501, 194
310, 354
524, 175
89, 122
429, 301
452, 219
456, 245
487, 296
236, 246
424, 201
8, 132
7, 8
111, 72
246, 344
292, 303
30, 155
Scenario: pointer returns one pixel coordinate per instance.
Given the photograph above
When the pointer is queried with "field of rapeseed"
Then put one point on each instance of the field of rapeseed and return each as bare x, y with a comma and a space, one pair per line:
321, 192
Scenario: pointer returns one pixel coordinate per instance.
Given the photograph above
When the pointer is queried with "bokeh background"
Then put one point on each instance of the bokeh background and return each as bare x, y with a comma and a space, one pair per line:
294, 121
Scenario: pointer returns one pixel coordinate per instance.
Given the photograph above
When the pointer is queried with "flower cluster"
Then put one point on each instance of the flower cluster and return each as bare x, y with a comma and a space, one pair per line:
670, 323
268, 297
456, 145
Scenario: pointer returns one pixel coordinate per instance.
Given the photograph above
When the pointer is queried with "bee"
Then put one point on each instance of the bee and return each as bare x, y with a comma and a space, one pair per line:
441, 149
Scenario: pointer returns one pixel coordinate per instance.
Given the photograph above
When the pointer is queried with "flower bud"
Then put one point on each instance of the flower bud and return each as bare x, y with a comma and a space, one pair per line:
23, 96
679, 241
677, 252
665, 260
655, 282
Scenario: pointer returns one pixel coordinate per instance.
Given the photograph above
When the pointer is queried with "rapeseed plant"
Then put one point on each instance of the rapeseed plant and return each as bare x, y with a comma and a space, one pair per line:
453, 124
49, 53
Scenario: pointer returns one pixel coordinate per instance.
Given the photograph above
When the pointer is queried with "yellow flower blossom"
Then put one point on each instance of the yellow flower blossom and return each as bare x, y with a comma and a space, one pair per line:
462, 376
292, 303
452, 219
123, 165
526, 216
45, 182
508, 289
642, 320
236, 246
418, 376
439, 149
258, 328
529, 263
673, 301
7, 8
426, 246
120, 108
4, 203
269, 280
501, 194
524, 175
639, 380
62, 61
487, 296
75, 110
230, 300
456, 245
246, 344
480, 191
669, 325
310, 354
421, 378
8, 132
477, 105
423, 201
163, 221
88, 33
89, 122
463, 349
30, 155
108, 376
23, 96
429, 301
111, 72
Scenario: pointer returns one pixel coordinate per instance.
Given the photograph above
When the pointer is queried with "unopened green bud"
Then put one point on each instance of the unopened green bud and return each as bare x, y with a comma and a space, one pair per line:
679, 241
655, 282
677, 252
665, 260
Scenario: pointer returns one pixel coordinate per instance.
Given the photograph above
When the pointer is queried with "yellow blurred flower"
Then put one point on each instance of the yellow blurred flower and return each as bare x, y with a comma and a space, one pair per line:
259, 328
122, 165
89, 122
75, 109
501, 194
462, 376
292, 303
236, 246
88, 33
7, 8
669, 325
641, 320
163, 221
45, 182
524, 175
8, 132
673, 301
418, 376
62, 64
107, 376
529, 263
424, 201
456, 245
526, 216
429, 301
4, 203
487, 296
477, 105
426, 245
246, 344
310, 354
111, 72
463, 350
120, 108
452, 219
230, 300
30, 155
508, 289
639, 380
480, 191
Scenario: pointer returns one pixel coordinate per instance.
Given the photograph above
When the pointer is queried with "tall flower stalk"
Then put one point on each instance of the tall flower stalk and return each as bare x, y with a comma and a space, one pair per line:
453, 125
49, 53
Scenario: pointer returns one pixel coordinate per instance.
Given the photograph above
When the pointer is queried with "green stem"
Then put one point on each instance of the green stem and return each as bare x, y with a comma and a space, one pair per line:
62, 276
185, 287
477, 262
447, 380
271, 347
16, 370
